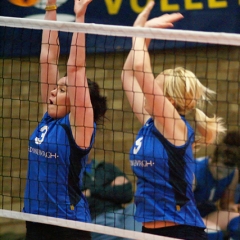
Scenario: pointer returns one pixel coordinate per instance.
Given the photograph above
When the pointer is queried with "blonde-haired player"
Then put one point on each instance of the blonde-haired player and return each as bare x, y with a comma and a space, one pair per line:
162, 155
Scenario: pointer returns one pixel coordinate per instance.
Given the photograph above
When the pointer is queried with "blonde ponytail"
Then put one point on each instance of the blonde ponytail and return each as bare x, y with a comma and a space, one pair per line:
188, 93
210, 129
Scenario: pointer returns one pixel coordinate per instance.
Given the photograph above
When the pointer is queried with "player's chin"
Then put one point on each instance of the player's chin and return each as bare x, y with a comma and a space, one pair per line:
56, 112
52, 111
52, 114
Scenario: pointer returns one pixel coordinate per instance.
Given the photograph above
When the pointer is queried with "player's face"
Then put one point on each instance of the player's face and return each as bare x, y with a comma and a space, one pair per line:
59, 102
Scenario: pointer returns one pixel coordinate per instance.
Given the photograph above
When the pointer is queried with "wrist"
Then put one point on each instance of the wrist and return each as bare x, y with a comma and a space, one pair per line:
80, 19
146, 24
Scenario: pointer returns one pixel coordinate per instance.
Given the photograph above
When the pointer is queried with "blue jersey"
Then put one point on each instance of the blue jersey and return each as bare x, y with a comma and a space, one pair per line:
55, 169
207, 188
165, 177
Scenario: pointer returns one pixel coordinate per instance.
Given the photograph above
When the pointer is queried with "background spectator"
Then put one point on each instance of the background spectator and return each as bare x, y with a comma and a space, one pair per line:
107, 189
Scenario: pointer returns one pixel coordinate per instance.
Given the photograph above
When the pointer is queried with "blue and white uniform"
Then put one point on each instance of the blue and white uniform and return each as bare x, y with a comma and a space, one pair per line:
208, 190
165, 176
55, 171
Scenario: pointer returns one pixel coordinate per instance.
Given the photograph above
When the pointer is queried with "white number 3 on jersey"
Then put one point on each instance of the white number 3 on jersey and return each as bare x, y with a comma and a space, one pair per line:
43, 130
138, 145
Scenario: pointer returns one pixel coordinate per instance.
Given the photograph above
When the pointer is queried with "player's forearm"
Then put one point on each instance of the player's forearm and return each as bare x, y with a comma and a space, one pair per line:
50, 44
77, 56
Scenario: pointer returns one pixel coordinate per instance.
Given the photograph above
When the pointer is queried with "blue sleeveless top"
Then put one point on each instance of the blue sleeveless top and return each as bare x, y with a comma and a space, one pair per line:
55, 168
165, 177
207, 188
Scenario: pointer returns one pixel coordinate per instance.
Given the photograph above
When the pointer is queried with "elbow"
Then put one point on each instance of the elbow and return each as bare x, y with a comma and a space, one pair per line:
73, 67
70, 69
138, 63
138, 66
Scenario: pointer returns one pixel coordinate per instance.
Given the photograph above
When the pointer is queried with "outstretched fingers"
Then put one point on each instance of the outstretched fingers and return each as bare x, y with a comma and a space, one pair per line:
143, 16
164, 21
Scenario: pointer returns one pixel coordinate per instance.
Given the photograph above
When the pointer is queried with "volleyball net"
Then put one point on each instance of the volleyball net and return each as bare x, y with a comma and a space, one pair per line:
213, 57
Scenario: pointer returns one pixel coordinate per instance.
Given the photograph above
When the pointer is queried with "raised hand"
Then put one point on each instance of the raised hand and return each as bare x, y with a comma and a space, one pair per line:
80, 7
51, 2
164, 21
143, 16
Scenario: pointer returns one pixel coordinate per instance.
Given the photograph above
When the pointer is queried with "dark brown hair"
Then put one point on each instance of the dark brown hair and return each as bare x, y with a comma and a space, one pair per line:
228, 152
99, 102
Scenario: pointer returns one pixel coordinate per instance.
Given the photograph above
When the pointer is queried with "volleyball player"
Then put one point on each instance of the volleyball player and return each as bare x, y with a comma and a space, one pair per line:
59, 145
162, 155
216, 180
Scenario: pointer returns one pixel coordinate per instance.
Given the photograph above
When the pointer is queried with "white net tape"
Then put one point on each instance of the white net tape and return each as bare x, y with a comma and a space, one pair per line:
123, 31
80, 225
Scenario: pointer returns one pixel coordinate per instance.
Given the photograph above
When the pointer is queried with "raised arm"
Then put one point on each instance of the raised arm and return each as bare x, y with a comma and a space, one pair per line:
137, 68
166, 117
81, 117
131, 86
49, 56
132, 89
